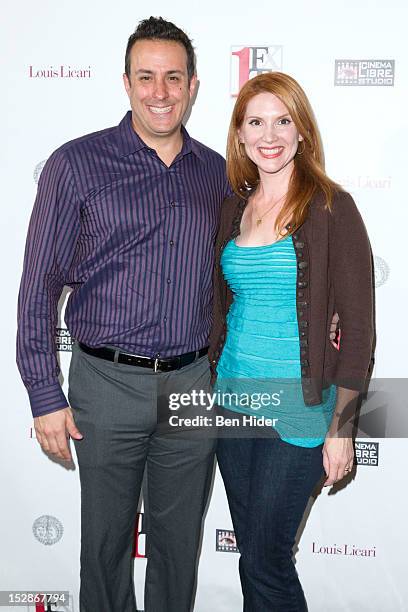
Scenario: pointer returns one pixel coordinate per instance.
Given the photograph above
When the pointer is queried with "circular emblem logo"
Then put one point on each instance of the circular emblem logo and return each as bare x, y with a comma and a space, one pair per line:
381, 271
47, 529
38, 169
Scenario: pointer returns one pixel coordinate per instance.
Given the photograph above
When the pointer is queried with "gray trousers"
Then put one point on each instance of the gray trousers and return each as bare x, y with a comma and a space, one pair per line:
117, 407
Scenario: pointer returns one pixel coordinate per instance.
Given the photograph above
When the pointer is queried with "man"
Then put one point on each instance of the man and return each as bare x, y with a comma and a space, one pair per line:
127, 218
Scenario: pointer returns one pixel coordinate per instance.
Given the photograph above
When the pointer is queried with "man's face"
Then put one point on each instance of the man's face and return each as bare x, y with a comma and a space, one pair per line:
158, 88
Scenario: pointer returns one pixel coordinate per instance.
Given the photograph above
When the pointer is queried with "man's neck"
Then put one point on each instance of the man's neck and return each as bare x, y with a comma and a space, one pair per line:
167, 147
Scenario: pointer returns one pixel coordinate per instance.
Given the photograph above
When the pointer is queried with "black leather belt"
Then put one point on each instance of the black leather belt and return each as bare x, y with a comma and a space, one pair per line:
158, 365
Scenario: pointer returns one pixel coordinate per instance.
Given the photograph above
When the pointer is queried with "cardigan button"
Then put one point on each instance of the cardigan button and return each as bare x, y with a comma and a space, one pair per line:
300, 294
304, 362
303, 304
300, 274
303, 323
300, 313
304, 371
302, 284
303, 342
302, 264
299, 245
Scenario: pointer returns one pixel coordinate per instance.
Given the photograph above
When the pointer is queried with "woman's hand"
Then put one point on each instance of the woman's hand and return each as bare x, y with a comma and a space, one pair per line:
338, 458
338, 449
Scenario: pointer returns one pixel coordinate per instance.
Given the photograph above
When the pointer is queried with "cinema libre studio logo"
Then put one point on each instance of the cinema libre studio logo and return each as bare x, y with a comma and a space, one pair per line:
367, 453
63, 340
247, 62
370, 72
225, 541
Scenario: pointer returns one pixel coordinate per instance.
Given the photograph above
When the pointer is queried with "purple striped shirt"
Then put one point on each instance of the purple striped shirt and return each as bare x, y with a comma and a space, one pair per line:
134, 240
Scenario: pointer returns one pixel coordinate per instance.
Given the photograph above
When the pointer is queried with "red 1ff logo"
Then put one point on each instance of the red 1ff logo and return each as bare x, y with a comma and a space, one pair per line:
247, 62
139, 544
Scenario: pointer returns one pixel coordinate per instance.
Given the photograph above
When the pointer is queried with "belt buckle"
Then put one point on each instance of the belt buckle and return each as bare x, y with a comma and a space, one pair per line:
156, 365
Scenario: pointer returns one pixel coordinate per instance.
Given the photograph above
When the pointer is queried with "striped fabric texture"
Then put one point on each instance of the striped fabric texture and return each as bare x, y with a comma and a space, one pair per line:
134, 240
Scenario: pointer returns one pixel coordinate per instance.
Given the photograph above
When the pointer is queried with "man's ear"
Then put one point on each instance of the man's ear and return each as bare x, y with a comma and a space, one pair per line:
193, 85
126, 83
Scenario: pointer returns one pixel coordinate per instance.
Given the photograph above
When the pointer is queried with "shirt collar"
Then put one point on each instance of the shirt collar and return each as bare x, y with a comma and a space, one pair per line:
130, 141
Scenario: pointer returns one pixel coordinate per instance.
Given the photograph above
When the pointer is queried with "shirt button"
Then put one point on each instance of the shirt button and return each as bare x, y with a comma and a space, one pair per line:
168, 281
172, 204
165, 319
157, 354
171, 242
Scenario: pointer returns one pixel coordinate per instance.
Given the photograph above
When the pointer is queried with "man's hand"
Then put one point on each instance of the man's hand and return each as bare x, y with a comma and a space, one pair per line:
333, 330
53, 430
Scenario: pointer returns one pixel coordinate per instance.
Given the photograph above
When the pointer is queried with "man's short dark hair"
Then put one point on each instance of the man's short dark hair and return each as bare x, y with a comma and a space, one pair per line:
157, 28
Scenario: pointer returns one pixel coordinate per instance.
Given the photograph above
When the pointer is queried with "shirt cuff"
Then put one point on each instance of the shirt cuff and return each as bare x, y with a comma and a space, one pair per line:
47, 399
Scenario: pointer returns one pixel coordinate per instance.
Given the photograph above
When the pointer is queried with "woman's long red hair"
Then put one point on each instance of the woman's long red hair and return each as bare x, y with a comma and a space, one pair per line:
308, 176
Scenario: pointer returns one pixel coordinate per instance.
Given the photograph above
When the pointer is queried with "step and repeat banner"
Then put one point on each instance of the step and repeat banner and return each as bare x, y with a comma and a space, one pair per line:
62, 77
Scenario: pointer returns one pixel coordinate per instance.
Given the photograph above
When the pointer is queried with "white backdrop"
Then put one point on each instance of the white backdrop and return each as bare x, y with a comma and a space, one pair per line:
352, 554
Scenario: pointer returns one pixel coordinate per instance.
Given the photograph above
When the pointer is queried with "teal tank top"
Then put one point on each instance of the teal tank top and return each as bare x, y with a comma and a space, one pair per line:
259, 372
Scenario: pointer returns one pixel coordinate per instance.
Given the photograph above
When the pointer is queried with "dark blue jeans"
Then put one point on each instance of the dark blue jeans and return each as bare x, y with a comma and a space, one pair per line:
268, 484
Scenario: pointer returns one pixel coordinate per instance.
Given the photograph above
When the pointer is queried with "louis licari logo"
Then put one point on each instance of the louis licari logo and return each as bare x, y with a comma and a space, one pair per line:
247, 62
347, 550
63, 71
381, 271
48, 529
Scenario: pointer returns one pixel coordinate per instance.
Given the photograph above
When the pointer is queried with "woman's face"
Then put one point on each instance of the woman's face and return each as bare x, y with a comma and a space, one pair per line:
270, 136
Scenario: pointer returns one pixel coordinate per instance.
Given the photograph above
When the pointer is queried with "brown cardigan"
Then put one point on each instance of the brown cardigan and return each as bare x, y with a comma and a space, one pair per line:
334, 274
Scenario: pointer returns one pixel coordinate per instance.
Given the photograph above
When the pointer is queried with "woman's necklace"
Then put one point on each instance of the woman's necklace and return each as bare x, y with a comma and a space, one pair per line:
260, 217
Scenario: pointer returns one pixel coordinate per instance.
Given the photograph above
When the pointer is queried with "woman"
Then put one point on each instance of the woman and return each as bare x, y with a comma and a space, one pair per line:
291, 251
